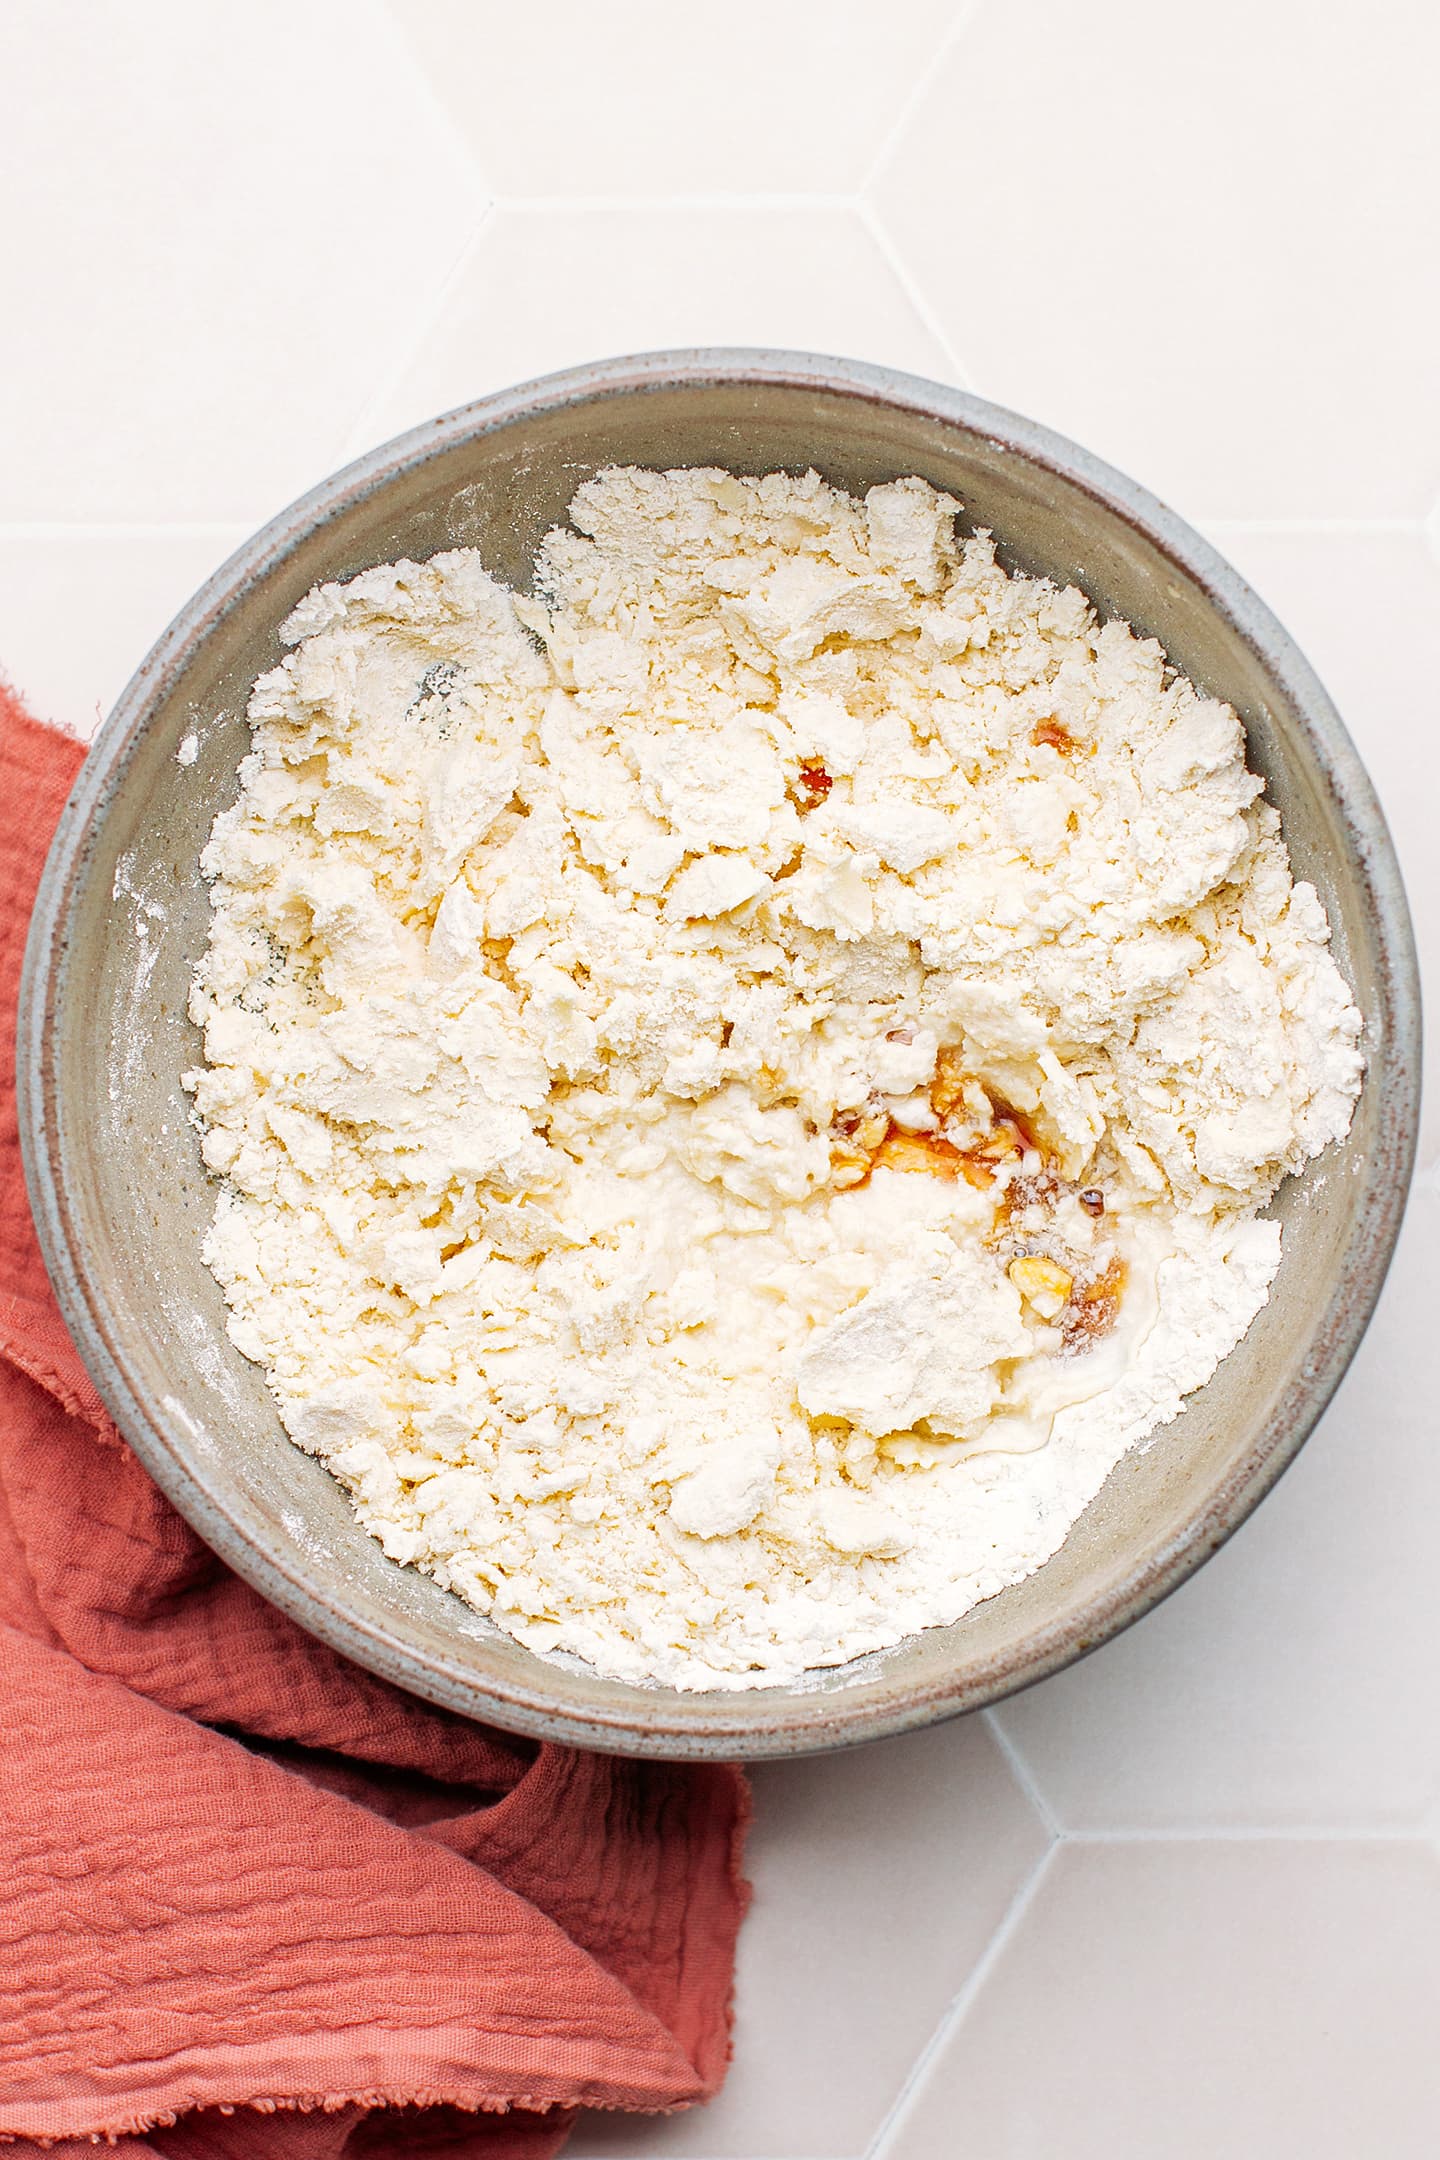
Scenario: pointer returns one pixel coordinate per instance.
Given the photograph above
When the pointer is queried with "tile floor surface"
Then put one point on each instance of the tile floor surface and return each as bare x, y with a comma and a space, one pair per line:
1185, 1898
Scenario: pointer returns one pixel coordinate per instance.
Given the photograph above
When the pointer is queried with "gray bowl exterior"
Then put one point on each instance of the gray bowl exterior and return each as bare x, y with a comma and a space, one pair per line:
122, 1201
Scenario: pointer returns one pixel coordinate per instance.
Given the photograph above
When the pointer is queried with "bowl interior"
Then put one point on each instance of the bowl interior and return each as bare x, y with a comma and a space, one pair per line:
123, 1200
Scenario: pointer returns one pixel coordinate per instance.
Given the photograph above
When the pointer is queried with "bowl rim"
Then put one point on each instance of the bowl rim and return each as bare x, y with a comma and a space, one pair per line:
675, 1724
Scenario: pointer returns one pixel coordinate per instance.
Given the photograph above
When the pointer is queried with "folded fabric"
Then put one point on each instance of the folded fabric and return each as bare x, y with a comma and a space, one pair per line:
256, 1904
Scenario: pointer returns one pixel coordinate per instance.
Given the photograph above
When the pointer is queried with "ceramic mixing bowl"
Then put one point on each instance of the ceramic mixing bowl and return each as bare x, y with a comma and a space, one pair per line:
122, 1200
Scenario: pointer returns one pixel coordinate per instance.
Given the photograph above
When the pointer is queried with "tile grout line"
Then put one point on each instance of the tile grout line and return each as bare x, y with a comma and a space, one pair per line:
462, 150
361, 436
598, 205
890, 255
1340, 526
964, 14
182, 528
953, 2015
1430, 527
1023, 1775
1257, 1834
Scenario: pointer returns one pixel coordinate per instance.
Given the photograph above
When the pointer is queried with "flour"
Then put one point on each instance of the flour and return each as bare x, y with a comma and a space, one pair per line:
744, 1084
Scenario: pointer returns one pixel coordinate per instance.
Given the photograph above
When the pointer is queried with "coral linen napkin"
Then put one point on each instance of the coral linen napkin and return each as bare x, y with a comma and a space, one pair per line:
255, 1903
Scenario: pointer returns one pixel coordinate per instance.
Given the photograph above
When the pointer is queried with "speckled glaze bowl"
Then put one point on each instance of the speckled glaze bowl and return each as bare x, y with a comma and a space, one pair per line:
122, 1200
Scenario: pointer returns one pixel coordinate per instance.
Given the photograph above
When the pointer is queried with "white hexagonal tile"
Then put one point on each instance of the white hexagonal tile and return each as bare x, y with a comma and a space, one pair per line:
80, 610
658, 100
545, 289
880, 1876
1261, 1999
223, 235
1199, 241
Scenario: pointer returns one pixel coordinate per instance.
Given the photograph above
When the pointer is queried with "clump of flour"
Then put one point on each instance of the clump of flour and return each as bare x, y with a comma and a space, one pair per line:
744, 1083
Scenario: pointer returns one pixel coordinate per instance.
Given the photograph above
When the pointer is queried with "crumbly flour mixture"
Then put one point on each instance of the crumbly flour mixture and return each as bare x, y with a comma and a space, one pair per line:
745, 1082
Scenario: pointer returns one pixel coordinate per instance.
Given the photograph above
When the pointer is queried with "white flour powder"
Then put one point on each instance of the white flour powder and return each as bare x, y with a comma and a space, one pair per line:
743, 1085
